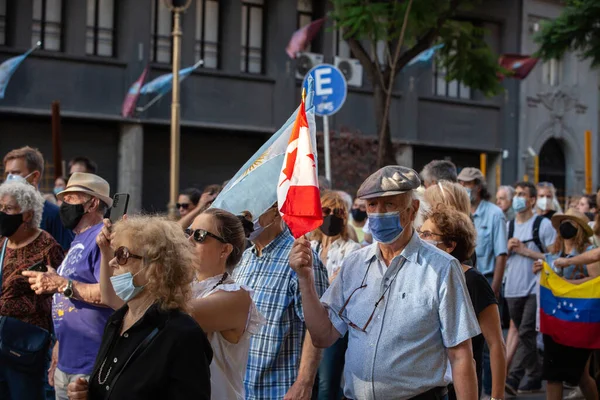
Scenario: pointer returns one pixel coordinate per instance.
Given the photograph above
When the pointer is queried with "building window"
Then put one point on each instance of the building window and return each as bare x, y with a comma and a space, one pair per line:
100, 32
252, 36
207, 32
305, 16
453, 88
47, 24
162, 25
2, 22
552, 72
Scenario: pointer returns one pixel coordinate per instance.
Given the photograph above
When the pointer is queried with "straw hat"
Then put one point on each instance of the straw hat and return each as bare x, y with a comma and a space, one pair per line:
81, 182
573, 216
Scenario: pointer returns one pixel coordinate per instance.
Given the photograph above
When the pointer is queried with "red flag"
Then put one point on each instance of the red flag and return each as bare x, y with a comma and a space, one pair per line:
132, 95
519, 64
302, 37
298, 193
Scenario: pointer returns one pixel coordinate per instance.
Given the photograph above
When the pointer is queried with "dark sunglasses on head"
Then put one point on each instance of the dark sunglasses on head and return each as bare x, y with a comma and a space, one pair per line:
338, 212
199, 235
185, 206
122, 254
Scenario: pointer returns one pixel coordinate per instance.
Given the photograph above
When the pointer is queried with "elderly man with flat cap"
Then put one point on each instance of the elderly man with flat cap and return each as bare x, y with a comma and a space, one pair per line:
404, 303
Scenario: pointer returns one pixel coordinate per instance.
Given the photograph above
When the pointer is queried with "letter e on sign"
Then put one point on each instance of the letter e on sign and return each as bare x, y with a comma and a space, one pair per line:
321, 81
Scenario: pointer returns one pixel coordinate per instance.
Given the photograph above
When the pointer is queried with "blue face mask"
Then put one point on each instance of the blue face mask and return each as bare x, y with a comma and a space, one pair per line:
124, 287
385, 227
519, 204
17, 178
57, 190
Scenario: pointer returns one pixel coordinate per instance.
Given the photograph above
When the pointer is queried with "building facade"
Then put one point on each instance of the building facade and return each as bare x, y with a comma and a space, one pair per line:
93, 50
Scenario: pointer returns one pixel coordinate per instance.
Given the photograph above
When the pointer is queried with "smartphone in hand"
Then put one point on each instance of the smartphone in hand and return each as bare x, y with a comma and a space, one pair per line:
39, 266
119, 207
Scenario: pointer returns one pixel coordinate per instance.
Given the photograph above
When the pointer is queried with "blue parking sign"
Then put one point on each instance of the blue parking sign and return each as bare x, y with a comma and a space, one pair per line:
330, 89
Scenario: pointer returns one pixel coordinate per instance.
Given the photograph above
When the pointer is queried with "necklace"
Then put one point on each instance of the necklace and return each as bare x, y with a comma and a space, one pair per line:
225, 275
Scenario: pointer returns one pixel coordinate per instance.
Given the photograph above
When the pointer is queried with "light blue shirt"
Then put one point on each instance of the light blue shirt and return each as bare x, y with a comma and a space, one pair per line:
426, 310
492, 237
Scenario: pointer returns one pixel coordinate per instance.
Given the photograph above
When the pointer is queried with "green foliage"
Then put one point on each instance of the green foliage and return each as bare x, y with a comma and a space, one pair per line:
576, 29
465, 55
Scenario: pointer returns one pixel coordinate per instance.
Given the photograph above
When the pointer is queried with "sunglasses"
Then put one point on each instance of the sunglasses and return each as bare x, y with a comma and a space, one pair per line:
338, 212
185, 206
122, 254
199, 235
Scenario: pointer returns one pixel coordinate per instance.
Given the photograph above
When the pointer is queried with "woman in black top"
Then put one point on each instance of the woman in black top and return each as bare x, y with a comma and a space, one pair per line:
454, 233
151, 349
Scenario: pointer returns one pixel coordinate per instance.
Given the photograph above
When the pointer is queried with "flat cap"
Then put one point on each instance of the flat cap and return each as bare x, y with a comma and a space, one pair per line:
389, 181
470, 174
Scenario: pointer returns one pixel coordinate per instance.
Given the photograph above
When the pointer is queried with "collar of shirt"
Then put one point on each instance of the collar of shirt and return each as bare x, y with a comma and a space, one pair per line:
480, 208
273, 246
410, 251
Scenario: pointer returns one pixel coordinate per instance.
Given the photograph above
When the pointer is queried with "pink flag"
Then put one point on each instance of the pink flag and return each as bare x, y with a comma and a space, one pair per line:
298, 195
302, 37
133, 95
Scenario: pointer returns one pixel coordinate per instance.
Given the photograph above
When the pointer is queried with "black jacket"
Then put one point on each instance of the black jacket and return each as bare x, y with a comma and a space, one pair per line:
174, 365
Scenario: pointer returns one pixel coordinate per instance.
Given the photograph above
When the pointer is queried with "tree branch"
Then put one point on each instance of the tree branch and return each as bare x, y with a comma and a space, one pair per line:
427, 40
377, 64
361, 55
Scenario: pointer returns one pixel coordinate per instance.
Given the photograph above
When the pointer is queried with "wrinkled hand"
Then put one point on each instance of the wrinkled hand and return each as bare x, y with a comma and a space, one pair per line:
561, 262
104, 237
53, 364
301, 258
538, 265
206, 199
45, 282
299, 391
78, 390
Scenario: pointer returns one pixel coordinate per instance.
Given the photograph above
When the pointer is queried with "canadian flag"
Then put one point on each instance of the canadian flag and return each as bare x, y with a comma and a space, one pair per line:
298, 195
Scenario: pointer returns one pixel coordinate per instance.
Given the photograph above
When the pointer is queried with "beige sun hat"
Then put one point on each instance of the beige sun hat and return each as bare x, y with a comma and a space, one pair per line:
82, 182
573, 216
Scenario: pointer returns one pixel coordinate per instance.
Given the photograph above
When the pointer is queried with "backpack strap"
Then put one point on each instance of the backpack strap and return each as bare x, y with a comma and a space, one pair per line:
511, 228
536, 233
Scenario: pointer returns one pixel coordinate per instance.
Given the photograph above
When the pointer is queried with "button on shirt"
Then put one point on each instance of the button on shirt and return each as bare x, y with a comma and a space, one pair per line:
492, 238
426, 310
275, 351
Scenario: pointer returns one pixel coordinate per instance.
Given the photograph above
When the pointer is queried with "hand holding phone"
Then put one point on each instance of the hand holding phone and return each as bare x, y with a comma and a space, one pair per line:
39, 266
119, 207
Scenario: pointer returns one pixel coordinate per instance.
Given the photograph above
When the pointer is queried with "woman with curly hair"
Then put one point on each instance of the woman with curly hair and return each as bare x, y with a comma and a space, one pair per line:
453, 232
151, 348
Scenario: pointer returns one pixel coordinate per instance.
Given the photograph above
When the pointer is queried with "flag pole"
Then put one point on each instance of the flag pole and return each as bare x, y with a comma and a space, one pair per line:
150, 103
56, 140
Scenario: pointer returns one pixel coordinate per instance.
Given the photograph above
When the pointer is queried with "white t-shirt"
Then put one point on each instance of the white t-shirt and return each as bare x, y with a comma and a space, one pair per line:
520, 279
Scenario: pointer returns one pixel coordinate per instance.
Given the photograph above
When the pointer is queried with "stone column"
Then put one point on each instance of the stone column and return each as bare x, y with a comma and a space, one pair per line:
131, 160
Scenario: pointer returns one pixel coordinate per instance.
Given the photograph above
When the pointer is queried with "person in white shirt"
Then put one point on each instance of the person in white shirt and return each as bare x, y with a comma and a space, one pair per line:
332, 244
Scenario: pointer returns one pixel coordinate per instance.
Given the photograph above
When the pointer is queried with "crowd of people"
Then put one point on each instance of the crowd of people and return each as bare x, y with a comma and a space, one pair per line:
418, 288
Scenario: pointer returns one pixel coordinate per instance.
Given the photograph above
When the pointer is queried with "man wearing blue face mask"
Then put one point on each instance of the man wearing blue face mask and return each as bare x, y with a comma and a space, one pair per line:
529, 238
403, 302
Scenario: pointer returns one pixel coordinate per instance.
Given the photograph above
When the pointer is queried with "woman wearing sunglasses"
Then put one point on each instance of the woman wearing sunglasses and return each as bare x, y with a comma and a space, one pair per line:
151, 348
223, 308
453, 232
332, 244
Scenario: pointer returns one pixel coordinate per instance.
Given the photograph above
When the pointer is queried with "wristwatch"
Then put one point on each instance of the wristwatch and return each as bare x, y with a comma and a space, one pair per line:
68, 292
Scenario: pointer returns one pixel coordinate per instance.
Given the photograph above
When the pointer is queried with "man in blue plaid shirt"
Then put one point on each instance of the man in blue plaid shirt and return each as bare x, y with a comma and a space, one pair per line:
282, 361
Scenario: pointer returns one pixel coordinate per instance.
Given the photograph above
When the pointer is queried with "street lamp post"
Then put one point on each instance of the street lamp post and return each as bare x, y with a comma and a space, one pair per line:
177, 7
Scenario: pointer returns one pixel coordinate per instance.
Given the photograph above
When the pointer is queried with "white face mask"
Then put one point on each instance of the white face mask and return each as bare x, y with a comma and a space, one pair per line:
543, 203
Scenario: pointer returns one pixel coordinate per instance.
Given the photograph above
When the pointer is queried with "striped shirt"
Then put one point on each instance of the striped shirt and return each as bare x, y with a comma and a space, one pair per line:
275, 352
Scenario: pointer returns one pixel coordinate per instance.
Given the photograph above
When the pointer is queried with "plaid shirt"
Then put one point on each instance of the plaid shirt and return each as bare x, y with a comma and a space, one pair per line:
275, 352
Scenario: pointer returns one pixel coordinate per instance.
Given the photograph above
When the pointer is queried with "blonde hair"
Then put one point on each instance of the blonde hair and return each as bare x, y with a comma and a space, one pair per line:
168, 257
333, 200
449, 193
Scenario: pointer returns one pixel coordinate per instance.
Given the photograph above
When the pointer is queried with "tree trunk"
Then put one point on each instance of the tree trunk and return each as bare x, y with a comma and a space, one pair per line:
385, 151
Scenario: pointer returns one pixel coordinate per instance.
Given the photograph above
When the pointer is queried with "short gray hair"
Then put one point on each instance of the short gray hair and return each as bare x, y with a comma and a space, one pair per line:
27, 197
510, 191
439, 170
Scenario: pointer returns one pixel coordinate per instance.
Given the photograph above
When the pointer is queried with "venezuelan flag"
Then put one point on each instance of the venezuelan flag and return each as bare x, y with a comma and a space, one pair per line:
570, 313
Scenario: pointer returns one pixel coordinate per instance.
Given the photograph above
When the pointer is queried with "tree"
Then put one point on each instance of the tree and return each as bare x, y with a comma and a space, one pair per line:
576, 29
408, 28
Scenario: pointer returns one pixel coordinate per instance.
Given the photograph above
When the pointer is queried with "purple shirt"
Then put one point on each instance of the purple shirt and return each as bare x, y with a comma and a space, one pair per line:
79, 326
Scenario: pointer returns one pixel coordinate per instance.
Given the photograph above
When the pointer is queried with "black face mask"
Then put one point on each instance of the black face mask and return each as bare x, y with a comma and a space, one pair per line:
332, 225
9, 223
567, 230
358, 215
71, 214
